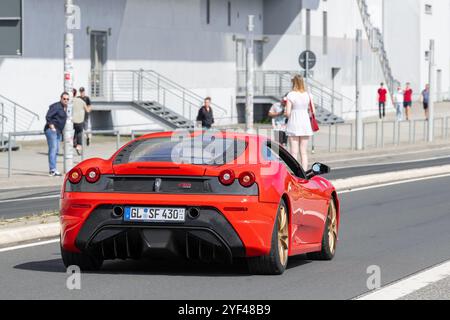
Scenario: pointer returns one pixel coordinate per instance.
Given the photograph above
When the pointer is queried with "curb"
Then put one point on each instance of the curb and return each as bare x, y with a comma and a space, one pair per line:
388, 177
52, 230
29, 233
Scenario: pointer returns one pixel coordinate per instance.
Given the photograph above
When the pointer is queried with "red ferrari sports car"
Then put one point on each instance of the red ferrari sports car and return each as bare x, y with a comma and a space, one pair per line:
209, 196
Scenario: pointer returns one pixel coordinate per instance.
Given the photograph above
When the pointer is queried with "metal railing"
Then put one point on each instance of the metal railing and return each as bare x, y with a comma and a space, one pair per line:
15, 117
94, 132
135, 133
41, 133
409, 132
148, 85
277, 83
18, 134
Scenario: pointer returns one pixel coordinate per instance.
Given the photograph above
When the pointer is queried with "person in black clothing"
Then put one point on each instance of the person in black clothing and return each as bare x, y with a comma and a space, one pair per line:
87, 116
56, 121
205, 114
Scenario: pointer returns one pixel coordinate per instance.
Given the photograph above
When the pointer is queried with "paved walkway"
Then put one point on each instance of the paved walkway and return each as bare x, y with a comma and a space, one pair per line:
30, 163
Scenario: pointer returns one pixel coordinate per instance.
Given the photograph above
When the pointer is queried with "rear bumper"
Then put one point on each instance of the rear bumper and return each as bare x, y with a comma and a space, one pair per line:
219, 232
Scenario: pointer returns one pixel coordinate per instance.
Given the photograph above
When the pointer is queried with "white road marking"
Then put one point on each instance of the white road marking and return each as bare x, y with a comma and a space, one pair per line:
393, 183
29, 245
29, 199
392, 163
410, 284
383, 156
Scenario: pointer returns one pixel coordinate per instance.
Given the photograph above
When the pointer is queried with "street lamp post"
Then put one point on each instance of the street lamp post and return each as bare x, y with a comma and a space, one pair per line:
249, 105
68, 84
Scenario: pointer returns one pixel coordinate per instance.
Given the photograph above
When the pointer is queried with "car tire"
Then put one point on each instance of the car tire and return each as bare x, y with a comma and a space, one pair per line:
329, 237
276, 261
84, 261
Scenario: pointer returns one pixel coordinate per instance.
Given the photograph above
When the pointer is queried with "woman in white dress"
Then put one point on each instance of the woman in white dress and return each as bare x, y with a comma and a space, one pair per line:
299, 125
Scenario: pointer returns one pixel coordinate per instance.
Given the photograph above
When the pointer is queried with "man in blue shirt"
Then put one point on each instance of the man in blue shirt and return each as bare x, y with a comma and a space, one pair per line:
56, 121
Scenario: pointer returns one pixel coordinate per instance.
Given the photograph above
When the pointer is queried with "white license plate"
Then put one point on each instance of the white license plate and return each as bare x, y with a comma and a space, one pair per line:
154, 214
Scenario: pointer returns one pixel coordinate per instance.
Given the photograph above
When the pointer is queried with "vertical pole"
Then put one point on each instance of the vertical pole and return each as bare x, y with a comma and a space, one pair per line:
336, 137
3, 124
250, 75
332, 95
117, 139
432, 79
329, 138
9, 155
68, 84
15, 118
351, 136
359, 123
83, 145
140, 84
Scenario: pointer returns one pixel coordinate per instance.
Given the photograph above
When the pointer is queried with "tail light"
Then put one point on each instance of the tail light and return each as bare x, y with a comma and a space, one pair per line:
247, 179
75, 176
92, 175
227, 177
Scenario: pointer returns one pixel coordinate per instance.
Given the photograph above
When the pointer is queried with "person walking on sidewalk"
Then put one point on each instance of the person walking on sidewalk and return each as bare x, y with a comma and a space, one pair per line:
205, 115
398, 99
56, 121
299, 129
425, 97
382, 93
87, 117
407, 100
78, 115
279, 120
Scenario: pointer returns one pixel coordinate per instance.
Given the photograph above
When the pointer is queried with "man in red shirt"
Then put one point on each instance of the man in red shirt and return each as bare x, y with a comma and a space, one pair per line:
407, 101
382, 93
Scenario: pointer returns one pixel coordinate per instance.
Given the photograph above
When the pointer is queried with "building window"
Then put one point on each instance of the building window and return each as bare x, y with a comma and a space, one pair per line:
325, 32
428, 9
11, 25
229, 13
208, 11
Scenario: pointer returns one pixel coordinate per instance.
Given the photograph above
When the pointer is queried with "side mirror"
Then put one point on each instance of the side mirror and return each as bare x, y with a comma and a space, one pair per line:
318, 169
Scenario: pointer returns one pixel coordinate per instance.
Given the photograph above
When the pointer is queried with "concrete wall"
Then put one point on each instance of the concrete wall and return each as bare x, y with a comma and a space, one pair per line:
173, 38
408, 30
287, 41
168, 36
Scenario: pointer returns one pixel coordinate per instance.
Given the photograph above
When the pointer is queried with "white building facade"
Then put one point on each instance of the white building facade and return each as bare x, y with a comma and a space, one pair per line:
198, 45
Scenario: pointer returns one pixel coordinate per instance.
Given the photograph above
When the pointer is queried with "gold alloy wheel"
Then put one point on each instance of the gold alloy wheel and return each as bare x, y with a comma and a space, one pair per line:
332, 227
283, 235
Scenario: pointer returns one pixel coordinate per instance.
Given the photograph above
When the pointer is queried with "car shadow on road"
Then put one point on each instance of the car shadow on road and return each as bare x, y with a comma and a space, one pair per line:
149, 267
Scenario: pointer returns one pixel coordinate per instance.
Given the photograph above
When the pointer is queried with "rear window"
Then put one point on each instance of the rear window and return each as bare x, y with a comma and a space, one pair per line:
198, 150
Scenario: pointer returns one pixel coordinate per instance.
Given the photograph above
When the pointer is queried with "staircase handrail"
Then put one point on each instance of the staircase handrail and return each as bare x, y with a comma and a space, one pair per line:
187, 92
19, 106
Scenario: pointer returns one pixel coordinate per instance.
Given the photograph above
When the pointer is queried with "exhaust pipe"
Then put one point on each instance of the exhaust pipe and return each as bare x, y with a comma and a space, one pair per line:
194, 213
118, 211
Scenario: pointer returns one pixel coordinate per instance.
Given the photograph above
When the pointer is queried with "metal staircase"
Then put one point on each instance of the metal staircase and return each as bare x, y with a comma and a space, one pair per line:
377, 44
330, 106
13, 118
163, 115
149, 92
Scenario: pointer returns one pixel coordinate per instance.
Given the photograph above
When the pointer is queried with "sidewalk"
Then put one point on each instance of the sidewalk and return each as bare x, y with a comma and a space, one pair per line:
30, 165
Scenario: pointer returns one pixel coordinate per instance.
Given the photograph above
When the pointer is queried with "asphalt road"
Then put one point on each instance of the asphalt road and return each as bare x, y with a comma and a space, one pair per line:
362, 170
23, 202
28, 201
401, 228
